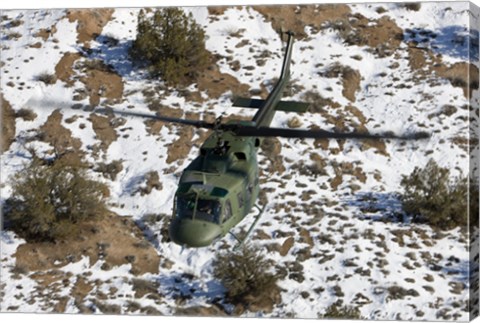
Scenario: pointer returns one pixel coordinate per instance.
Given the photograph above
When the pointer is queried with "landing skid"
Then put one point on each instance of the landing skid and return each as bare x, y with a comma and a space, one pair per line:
250, 230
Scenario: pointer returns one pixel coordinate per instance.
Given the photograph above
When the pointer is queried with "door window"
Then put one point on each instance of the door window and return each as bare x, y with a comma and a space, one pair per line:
227, 211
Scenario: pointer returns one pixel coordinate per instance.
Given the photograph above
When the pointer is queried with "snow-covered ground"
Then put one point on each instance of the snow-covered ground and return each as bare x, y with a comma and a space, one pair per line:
352, 250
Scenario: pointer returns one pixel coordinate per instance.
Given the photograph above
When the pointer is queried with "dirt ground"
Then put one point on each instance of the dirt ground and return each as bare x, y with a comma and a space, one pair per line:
99, 83
295, 18
114, 239
103, 130
90, 22
216, 83
8, 124
425, 63
64, 145
64, 68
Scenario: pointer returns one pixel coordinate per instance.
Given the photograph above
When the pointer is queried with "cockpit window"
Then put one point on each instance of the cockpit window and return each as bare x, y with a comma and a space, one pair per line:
185, 207
207, 210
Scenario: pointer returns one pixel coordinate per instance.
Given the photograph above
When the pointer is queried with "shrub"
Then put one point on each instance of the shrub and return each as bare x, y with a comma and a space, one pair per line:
26, 114
13, 35
335, 311
172, 44
110, 170
49, 200
244, 273
47, 78
413, 6
430, 196
15, 23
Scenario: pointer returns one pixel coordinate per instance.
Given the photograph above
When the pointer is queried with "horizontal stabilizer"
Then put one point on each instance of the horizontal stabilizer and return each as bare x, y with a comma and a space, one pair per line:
288, 106
248, 103
292, 106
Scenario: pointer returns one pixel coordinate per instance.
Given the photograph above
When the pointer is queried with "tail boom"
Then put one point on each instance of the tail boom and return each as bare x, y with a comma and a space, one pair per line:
266, 111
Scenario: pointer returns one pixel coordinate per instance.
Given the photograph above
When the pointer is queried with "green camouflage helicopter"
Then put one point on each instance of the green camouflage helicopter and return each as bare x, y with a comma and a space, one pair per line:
220, 187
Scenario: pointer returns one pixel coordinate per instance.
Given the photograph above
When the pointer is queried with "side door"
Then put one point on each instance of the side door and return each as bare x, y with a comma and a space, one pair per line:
228, 218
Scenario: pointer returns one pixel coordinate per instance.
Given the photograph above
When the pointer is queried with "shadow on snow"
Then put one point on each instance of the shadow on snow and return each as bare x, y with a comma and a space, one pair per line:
385, 207
454, 41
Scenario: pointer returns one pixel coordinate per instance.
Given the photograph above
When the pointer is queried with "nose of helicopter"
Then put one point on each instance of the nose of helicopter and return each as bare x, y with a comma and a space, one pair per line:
193, 233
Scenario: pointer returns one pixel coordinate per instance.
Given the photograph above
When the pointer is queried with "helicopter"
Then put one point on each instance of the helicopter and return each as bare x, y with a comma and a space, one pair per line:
219, 188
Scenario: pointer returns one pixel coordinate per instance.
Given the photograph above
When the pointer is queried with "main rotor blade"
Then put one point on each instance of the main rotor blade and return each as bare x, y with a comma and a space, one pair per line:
322, 134
189, 122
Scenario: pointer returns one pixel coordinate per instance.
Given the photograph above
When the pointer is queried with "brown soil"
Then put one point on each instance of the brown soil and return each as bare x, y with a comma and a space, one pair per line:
317, 103
213, 310
8, 124
271, 148
46, 33
417, 58
64, 68
216, 83
217, 10
90, 23
306, 237
103, 129
383, 35
378, 145
179, 149
357, 113
286, 246
463, 75
81, 288
260, 303
346, 168
350, 116
336, 181
35, 45
100, 80
100, 83
351, 83
296, 18
61, 139
48, 278
152, 181
115, 239
350, 78
154, 126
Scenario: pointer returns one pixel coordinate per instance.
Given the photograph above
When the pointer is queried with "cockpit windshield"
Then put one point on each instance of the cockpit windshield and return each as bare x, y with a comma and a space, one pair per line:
207, 210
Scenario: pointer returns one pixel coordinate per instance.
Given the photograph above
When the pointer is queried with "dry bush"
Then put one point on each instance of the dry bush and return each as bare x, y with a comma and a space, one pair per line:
13, 35
244, 273
26, 114
431, 197
294, 122
110, 170
47, 78
342, 26
317, 103
50, 199
15, 23
413, 6
335, 311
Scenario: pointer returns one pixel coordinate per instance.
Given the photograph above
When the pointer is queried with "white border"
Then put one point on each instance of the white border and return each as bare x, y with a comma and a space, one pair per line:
76, 318
30, 4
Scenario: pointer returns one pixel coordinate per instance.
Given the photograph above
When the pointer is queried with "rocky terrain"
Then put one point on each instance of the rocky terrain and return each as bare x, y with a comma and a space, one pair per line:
333, 226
